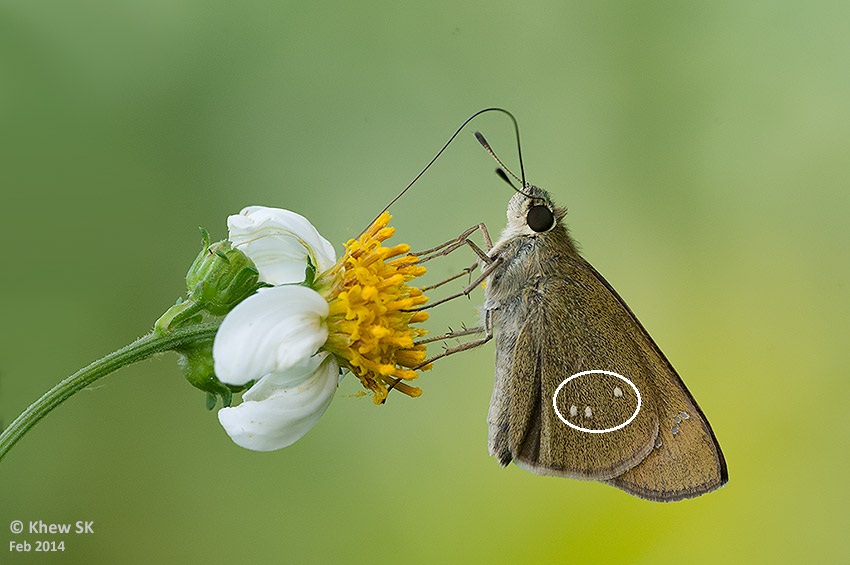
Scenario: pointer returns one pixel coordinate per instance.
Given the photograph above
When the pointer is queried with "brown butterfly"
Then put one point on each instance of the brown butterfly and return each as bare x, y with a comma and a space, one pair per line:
581, 389
553, 316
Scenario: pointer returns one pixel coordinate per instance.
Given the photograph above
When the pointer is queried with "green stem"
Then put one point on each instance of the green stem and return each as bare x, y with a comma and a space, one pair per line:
142, 348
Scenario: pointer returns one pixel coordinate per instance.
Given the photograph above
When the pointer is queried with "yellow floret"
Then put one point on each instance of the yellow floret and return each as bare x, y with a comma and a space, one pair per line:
371, 311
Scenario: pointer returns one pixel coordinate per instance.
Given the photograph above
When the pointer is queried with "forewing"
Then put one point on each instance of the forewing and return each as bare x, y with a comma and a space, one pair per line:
575, 322
687, 460
558, 333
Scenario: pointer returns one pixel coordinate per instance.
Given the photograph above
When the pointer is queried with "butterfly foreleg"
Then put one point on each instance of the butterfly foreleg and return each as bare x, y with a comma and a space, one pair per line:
456, 243
486, 329
451, 334
492, 266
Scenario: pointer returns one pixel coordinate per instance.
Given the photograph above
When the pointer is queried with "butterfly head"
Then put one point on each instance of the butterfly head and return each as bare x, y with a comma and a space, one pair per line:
532, 212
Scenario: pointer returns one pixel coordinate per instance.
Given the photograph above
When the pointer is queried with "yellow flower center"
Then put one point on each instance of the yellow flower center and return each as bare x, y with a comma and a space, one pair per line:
371, 309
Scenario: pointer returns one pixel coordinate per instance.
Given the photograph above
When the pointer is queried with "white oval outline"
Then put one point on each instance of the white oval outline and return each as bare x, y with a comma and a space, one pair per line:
595, 371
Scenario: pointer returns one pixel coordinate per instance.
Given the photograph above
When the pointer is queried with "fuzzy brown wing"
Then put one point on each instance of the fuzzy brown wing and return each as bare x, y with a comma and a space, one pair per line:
687, 460
561, 326
555, 329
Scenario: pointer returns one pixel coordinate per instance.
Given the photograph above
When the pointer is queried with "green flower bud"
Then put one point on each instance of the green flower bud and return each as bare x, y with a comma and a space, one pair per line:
220, 278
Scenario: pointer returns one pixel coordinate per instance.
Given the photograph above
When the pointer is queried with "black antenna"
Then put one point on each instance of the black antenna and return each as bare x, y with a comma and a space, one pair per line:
486, 145
452, 138
501, 170
502, 175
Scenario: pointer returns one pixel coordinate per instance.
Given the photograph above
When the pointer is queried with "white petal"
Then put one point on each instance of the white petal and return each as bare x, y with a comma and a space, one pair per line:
284, 416
288, 378
278, 242
269, 332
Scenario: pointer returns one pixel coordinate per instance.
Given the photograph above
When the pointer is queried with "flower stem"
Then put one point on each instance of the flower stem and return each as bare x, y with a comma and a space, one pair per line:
144, 347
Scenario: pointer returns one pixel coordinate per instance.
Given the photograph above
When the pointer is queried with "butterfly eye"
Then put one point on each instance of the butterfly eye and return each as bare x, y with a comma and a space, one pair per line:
540, 218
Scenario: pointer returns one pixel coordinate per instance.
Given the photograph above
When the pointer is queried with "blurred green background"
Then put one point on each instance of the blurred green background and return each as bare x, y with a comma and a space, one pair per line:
703, 149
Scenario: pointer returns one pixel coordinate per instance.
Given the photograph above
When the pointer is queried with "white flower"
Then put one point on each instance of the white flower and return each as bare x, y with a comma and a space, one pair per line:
292, 340
273, 336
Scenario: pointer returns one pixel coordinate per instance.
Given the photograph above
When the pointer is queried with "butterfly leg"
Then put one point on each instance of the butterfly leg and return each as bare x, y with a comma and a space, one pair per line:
467, 271
452, 334
494, 264
487, 330
456, 243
